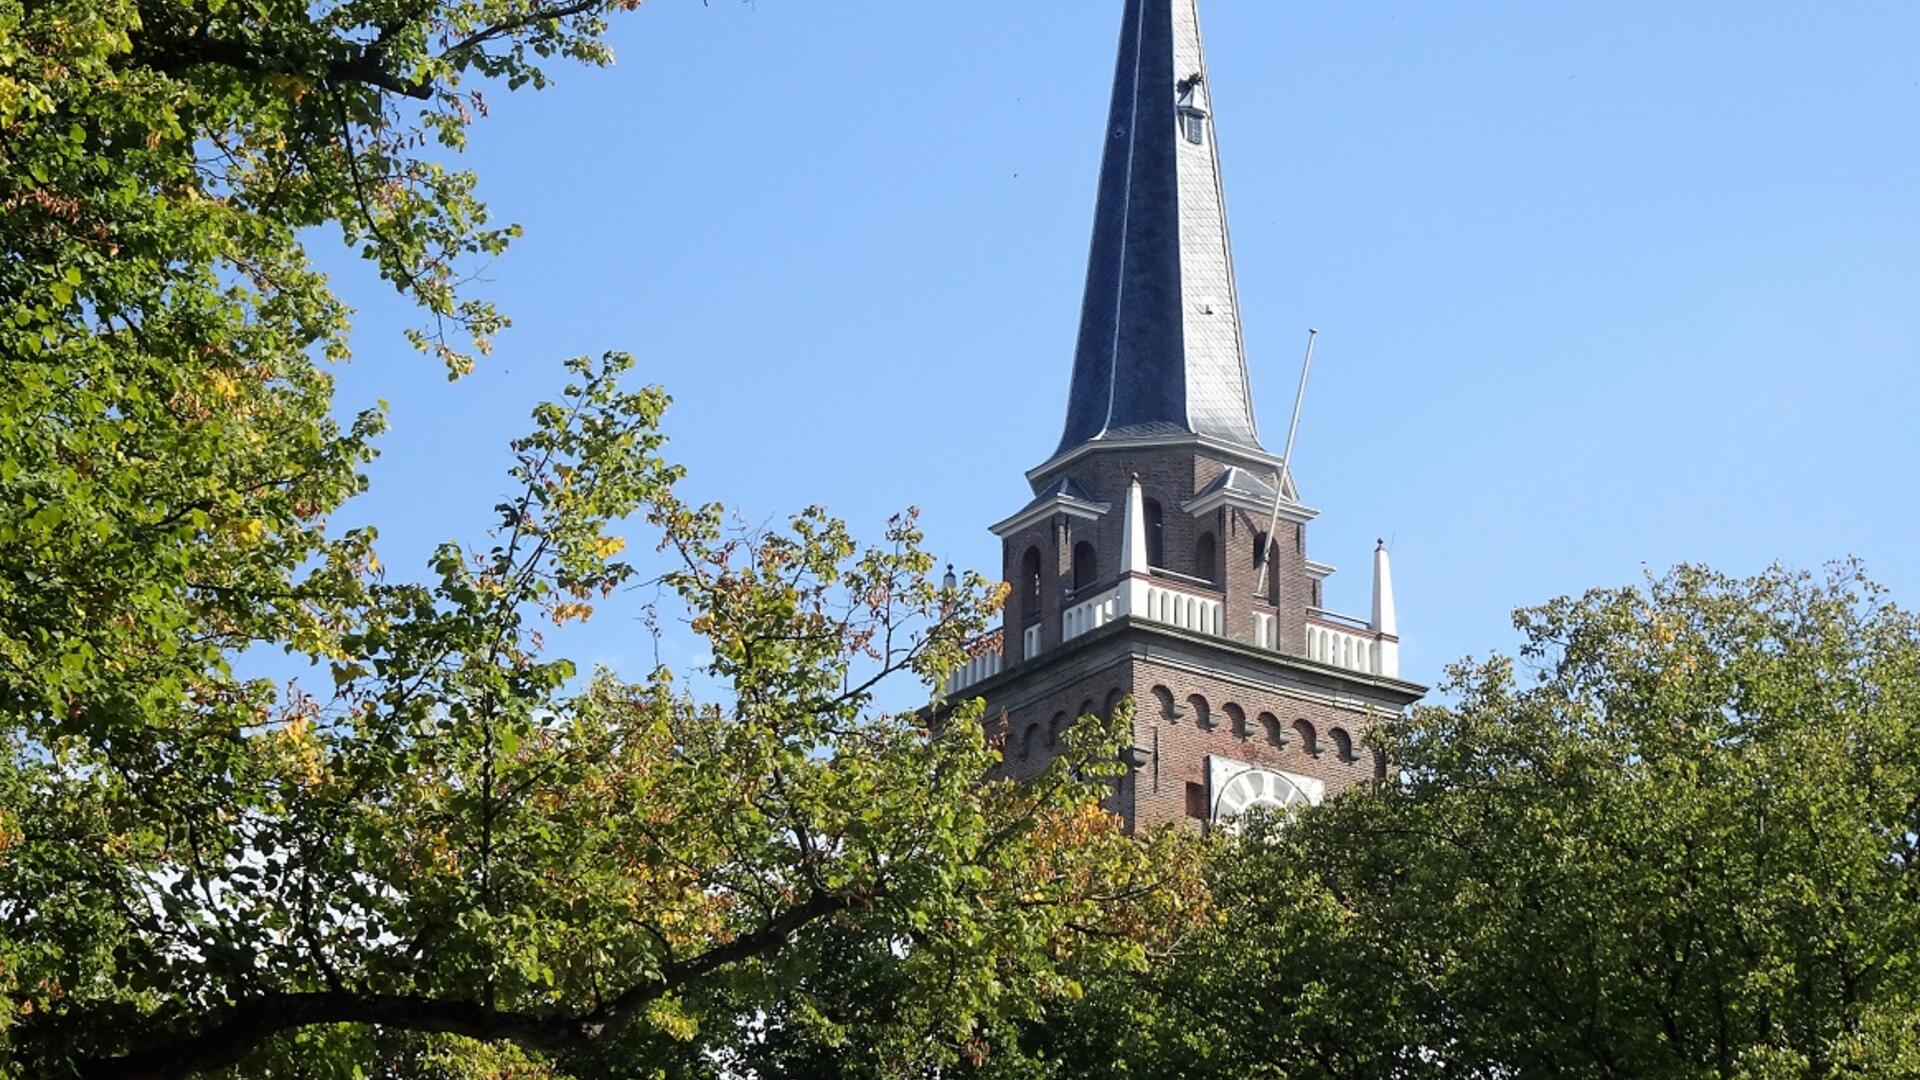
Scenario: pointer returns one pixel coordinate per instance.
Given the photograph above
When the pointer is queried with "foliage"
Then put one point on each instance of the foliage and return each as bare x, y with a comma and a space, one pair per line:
458, 840
164, 407
466, 858
1684, 848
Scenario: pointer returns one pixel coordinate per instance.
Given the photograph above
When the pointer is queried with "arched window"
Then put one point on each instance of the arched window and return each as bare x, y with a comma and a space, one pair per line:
1206, 558
1270, 726
1201, 714
1262, 573
1237, 720
1085, 571
1030, 582
1156, 535
1309, 741
1343, 745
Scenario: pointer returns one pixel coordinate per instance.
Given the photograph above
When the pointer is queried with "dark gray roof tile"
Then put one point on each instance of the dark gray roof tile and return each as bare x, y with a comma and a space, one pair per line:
1160, 349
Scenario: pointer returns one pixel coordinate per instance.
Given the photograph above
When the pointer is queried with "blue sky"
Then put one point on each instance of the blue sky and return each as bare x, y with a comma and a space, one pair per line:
1600, 287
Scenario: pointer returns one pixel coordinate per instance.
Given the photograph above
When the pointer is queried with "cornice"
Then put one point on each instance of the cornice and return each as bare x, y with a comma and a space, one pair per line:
1059, 504
1248, 666
1289, 511
1230, 452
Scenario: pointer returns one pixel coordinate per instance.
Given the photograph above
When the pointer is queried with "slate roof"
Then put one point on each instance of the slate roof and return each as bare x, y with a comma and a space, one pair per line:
1160, 350
1063, 488
1235, 480
1066, 488
1064, 492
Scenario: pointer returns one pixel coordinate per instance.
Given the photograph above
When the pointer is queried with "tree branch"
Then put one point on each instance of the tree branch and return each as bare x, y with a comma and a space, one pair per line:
174, 55
247, 1025
520, 22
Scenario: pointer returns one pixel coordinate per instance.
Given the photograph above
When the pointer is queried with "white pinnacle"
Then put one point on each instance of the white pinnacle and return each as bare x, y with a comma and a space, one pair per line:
1384, 621
1133, 550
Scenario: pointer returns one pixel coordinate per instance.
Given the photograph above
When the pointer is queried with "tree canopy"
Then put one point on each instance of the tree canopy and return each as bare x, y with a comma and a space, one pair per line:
463, 856
1675, 837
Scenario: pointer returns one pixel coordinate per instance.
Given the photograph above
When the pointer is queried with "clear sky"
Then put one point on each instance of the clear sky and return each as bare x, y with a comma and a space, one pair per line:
1600, 287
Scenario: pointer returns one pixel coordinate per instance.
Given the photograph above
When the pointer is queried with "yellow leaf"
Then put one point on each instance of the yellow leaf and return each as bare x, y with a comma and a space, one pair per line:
562, 613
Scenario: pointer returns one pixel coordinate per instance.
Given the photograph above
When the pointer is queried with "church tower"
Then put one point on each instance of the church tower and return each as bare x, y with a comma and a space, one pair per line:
1163, 556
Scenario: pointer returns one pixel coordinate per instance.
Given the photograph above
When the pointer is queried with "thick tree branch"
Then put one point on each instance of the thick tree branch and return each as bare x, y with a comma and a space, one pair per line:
178, 54
247, 1025
365, 65
544, 13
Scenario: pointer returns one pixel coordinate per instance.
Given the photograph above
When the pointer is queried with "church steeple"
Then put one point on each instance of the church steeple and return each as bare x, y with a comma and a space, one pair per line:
1160, 350
1163, 557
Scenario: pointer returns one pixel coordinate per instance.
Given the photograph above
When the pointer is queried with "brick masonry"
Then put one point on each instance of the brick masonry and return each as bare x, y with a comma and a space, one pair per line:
1195, 696
1169, 477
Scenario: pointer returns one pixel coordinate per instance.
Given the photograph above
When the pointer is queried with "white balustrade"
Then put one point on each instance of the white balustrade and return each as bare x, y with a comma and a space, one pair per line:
1089, 615
1339, 640
1031, 640
1355, 651
979, 669
1148, 600
1182, 609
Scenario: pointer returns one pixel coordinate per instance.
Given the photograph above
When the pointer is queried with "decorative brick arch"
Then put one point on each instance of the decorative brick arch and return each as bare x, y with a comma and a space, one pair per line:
1270, 726
1169, 709
1237, 720
1202, 716
1309, 740
1343, 745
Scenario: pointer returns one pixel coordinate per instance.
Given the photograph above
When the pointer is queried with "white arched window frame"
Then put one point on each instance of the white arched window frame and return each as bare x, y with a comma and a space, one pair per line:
1255, 788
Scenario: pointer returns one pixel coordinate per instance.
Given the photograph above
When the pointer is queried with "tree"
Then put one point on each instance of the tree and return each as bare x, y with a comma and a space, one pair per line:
169, 454
1682, 845
465, 854
457, 841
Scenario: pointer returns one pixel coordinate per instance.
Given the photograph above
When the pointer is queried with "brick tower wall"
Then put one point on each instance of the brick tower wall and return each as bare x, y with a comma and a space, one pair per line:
1181, 716
1169, 477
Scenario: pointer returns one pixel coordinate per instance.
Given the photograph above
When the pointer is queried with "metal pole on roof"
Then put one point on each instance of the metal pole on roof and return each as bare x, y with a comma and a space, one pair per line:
1286, 459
